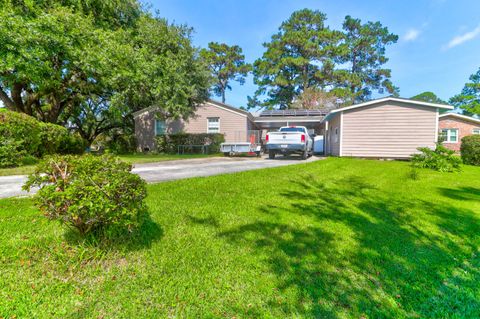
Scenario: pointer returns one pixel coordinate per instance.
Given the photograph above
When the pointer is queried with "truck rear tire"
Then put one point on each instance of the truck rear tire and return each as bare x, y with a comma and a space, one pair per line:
271, 154
305, 155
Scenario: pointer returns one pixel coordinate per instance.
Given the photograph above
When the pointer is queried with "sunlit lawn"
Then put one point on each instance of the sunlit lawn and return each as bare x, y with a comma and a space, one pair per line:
338, 238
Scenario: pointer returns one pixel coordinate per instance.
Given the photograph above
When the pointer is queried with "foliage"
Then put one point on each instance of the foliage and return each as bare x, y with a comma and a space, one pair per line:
470, 150
169, 143
429, 97
94, 63
315, 99
469, 99
306, 53
441, 159
299, 56
363, 51
22, 135
120, 143
89, 193
226, 63
336, 238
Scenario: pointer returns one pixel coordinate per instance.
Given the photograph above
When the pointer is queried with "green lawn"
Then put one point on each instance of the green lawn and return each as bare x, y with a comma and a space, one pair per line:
338, 238
132, 159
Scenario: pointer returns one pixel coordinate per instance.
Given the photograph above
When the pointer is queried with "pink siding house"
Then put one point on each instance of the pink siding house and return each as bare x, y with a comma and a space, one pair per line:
384, 128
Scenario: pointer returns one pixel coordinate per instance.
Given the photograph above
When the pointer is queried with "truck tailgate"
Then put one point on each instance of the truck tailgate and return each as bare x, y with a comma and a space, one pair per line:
285, 138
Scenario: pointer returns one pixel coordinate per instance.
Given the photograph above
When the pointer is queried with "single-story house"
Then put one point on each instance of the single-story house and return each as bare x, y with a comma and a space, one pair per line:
210, 117
454, 127
383, 128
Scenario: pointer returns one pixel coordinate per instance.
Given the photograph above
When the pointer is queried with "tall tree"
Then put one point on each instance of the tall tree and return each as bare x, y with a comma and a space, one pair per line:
364, 53
428, 97
226, 63
63, 63
299, 56
469, 99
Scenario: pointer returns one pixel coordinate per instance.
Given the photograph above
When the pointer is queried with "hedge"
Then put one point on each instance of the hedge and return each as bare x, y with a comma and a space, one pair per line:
470, 150
169, 143
23, 136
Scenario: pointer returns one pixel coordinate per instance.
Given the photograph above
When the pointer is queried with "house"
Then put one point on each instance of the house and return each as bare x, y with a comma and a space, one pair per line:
454, 127
210, 117
384, 128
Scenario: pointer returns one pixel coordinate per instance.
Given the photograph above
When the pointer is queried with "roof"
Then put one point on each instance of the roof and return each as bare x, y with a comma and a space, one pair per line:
211, 102
463, 117
293, 112
389, 99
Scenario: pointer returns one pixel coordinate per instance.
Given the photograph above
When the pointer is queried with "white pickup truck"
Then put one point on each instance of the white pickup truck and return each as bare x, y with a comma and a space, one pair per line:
289, 140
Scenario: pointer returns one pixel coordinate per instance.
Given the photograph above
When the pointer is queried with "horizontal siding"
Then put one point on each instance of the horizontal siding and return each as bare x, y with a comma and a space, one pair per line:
232, 125
392, 129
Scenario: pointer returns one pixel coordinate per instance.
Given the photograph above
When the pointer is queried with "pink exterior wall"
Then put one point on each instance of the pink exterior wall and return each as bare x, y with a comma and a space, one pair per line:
388, 130
464, 127
233, 125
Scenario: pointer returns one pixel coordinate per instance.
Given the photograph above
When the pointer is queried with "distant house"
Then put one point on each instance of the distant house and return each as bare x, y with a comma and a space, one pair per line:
210, 117
384, 128
454, 127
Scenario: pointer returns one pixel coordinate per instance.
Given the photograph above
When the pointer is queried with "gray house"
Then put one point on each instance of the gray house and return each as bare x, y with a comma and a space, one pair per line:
384, 128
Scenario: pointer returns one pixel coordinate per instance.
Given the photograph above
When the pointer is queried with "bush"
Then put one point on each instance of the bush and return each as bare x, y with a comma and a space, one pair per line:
121, 143
470, 150
441, 159
93, 194
22, 135
169, 143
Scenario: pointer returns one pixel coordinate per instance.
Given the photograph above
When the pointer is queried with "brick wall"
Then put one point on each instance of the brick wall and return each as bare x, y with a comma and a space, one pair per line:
464, 127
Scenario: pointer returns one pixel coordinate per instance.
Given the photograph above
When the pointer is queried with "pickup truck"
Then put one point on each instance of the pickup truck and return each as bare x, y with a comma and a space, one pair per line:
289, 140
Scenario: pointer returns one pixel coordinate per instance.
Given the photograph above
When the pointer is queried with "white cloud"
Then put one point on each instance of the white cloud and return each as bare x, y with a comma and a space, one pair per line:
411, 35
459, 39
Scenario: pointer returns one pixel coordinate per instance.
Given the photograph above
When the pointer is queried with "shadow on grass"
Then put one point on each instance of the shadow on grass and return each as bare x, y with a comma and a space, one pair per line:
347, 248
141, 238
462, 193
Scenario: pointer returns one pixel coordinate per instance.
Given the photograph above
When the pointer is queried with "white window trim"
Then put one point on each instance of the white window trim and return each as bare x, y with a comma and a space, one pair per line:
155, 127
476, 129
208, 122
448, 135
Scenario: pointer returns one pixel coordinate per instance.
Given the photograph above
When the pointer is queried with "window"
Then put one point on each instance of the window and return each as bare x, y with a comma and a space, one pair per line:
213, 125
450, 135
160, 127
336, 135
476, 131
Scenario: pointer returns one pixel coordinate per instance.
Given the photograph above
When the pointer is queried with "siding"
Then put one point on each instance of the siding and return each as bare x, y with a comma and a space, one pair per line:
388, 130
333, 145
233, 125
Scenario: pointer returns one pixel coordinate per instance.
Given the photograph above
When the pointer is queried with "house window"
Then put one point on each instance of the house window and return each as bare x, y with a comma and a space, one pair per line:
450, 135
476, 131
160, 127
336, 135
213, 125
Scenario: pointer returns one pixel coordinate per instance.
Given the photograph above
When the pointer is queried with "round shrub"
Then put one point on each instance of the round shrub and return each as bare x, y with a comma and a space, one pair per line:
470, 150
441, 159
93, 194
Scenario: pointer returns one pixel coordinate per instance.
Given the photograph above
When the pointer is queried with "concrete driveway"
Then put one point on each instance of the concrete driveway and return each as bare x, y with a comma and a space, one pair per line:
171, 170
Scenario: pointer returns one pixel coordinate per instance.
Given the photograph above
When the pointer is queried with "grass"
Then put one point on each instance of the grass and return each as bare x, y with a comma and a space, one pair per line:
339, 238
132, 159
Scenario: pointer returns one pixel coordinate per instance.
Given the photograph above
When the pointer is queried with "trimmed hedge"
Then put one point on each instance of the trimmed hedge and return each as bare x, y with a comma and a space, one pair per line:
470, 150
169, 143
24, 136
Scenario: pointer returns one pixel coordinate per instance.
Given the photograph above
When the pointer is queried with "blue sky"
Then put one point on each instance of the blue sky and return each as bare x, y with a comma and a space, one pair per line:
438, 48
